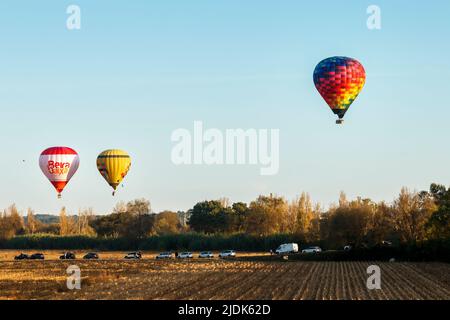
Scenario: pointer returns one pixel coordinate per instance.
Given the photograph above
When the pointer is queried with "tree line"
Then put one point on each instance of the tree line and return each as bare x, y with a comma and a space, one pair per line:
411, 217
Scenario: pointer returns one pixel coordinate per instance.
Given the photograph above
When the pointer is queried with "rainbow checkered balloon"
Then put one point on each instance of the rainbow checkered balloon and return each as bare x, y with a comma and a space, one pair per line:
339, 80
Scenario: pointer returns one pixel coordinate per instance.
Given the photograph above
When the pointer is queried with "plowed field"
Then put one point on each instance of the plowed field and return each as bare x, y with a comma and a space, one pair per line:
219, 279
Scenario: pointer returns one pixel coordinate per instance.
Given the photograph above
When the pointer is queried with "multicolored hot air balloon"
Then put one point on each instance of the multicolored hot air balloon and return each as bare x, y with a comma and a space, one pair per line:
339, 80
59, 164
113, 165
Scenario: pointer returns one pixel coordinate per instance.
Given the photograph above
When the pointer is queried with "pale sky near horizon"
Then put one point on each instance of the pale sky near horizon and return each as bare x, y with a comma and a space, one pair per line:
138, 70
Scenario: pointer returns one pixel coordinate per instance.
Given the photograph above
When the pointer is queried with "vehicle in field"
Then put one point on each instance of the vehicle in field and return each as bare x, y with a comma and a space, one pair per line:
227, 254
312, 250
165, 255
386, 243
91, 256
185, 255
68, 256
133, 256
21, 256
206, 255
287, 248
37, 256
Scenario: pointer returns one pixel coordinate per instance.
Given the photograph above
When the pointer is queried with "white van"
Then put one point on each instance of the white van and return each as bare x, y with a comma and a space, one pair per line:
287, 248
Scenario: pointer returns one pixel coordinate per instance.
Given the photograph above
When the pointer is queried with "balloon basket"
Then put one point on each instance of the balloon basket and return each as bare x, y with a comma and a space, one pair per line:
339, 121
59, 195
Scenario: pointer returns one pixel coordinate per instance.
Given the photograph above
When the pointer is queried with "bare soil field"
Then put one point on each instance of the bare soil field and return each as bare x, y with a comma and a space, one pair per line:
114, 278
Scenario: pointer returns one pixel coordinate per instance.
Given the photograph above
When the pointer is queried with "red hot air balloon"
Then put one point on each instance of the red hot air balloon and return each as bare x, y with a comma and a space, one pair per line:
59, 164
339, 80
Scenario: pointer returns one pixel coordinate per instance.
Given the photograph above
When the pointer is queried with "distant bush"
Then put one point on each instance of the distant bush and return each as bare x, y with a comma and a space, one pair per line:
185, 241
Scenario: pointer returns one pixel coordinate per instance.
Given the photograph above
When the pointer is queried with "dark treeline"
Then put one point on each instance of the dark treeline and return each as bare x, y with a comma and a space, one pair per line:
413, 217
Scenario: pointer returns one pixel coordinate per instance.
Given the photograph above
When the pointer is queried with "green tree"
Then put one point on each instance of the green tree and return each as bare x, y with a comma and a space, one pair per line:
140, 223
267, 215
208, 217
411, 212
439, 223
348, 223
240, 214
111, 225
132, 220
167, 222
381, 225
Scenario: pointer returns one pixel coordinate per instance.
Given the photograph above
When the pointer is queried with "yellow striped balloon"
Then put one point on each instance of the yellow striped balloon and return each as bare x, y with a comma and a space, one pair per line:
113, 165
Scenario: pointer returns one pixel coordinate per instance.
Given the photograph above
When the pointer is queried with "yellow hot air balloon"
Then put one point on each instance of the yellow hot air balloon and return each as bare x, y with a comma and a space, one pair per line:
113, 165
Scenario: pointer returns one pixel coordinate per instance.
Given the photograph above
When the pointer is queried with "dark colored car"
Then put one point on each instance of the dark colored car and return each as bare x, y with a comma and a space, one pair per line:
37, 256
21, 256
91, 256
68, 256
133, 256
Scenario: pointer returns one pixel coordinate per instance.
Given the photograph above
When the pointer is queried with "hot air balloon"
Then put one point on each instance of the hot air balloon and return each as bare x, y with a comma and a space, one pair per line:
339, 80
113, 165
59, 164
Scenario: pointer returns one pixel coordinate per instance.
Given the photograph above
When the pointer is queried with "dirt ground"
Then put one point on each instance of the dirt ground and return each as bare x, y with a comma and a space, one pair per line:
114, 278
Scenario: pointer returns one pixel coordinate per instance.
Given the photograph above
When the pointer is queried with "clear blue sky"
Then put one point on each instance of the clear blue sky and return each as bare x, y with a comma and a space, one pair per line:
137, 70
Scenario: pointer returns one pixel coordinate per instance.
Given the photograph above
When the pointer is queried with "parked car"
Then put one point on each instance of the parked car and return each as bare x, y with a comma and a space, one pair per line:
312, 250
91, 256
37, 256
386, 243
227, 254
206, 254
287, 248
185, 255
165, 255
21, 256
68, 256
133, 256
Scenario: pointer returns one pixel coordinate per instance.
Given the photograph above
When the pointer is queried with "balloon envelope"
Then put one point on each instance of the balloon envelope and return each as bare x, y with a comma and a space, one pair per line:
113, 165
339, 80
59, 164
